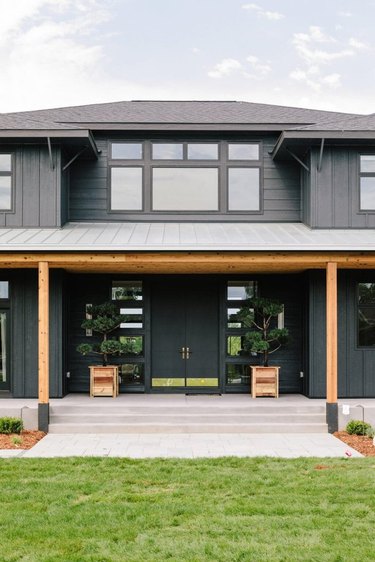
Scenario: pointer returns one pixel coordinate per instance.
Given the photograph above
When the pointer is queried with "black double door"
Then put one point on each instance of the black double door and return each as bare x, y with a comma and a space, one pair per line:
185, 335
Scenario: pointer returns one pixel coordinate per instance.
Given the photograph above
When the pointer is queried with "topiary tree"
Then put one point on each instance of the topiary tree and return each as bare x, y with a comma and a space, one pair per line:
104, 320
262, 338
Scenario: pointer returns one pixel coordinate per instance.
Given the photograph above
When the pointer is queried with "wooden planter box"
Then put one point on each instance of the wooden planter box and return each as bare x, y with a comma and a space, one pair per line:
104, 380
265, 381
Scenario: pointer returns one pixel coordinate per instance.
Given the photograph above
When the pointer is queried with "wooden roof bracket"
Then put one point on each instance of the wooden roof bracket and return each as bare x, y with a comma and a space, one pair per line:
298, 159
319, 167
51, 162
74, 158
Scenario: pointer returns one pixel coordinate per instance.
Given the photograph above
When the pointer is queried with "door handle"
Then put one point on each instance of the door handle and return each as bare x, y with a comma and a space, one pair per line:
183, 352
188, 353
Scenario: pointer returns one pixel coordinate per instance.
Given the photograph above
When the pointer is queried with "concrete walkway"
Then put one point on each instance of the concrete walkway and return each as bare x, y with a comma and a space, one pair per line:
187, 446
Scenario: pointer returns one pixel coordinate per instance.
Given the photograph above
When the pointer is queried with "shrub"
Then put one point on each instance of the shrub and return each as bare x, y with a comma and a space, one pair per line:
358, 427
11, 425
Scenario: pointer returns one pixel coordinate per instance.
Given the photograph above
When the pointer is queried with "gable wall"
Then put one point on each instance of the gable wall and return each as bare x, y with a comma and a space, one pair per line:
331, 196
89, 189
36, 187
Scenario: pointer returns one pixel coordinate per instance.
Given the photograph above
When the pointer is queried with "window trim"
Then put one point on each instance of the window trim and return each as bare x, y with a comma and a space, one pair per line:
358, 346
109, 191
11, 175
260, 191
219, 189
361, 175
222, 164
111, 157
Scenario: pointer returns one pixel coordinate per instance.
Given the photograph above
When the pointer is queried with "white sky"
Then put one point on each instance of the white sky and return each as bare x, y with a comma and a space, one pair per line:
305, 53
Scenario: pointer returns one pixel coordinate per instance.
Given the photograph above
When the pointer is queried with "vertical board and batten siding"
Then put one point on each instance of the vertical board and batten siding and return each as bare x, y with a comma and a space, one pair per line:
290, 291
89, 189
356, 372
65, 183
36, 188
24, 334
82, 290
331, 196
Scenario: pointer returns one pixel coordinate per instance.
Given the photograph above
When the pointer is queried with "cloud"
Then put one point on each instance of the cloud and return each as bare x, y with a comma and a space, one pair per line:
230, 66
315, 81
225, 68
345, 14
332, 80
275, 16
356, 44
260, 68
309, 49
50, 46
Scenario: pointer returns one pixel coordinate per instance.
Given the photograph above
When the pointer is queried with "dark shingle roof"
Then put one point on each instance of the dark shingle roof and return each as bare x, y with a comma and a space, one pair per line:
168, 112
17, 121
348, 123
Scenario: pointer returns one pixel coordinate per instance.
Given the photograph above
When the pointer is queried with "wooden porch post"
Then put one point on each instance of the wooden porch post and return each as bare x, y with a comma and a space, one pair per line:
43, 345
331, 347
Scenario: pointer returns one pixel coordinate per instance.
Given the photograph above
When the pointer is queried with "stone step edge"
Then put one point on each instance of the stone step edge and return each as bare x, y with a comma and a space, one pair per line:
188, 428
201, 416
187, 410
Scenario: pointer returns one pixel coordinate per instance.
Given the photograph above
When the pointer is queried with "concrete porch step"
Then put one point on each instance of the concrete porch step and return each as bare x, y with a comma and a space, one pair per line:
256, 408
185, 418
151, 428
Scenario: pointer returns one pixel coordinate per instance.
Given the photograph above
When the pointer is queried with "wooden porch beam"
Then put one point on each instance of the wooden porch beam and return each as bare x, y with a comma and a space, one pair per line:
331, 345
43, 345
189, 262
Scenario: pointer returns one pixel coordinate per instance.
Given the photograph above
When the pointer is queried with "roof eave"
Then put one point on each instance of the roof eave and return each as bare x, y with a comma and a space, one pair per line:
59, 134
318, 135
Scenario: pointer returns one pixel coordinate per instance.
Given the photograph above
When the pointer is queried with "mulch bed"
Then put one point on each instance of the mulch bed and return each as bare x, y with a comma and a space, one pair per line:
28, 439
360, 443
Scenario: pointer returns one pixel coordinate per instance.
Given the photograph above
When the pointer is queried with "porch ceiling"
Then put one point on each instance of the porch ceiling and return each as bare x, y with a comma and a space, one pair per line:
188, 262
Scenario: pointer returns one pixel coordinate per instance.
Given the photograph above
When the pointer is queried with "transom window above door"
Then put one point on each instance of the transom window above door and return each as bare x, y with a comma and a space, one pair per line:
173, 177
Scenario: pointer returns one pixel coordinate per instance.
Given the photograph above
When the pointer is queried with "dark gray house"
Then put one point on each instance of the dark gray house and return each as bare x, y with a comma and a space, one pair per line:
175, 211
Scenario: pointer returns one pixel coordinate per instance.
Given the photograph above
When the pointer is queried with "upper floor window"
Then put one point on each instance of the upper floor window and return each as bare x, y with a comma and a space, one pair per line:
5, 182
185, 177
367, 182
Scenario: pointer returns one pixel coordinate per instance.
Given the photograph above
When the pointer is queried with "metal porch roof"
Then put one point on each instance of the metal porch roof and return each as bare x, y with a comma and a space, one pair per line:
184, 236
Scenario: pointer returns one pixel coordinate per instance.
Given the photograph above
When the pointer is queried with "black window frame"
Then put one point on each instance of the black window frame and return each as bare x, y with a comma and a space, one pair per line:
364, 175
363, 306
222, 163
6, 173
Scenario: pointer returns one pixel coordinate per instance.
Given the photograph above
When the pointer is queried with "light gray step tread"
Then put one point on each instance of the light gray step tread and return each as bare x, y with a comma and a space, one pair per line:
192, 418
189, 428
186, 410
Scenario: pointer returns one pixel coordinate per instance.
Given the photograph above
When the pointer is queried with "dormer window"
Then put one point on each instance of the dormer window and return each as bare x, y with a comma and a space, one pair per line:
367, 182
5, 182
185, 177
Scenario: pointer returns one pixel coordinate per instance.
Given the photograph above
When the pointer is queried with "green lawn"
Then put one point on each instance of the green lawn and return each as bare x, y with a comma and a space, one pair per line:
227, 509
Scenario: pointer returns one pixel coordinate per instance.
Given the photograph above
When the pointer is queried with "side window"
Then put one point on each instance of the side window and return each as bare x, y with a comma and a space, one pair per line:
237, 371
129, 297
367, 182
366, 314
5, 182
